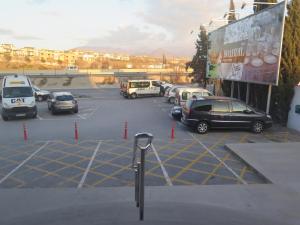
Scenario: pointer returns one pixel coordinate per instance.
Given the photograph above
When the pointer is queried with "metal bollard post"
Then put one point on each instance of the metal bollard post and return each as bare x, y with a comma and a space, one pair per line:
139, 170
141, 184
137, 174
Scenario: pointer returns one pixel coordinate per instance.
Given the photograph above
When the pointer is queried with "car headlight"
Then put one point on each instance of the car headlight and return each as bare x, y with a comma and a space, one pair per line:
6, 105
32, 104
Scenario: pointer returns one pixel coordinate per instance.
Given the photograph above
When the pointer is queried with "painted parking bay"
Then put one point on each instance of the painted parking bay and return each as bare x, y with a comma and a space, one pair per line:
107, 163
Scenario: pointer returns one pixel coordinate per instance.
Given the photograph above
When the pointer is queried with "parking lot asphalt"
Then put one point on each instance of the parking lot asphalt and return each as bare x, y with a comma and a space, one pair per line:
102, 157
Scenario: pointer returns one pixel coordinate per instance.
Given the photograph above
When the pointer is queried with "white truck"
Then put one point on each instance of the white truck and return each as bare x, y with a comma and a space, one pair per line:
18, 99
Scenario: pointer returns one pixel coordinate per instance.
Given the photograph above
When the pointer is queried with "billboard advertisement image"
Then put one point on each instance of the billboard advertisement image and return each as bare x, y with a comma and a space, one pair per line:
248, 50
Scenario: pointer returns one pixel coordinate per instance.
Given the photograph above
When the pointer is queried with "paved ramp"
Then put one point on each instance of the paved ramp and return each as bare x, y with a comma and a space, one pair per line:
278, 162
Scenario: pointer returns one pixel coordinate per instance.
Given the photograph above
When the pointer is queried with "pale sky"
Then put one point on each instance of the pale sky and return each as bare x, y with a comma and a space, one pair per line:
135, 26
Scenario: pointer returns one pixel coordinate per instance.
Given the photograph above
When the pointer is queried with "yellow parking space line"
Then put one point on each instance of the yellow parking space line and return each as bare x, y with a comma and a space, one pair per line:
122, 145
116, 172
21, 164
214, 170
200, 171
18, 150
54, 173
15, 179
185, 148
74, 145
286, 137
184, 182
243, 171
244, 137
187, 167
198, 158
112, 175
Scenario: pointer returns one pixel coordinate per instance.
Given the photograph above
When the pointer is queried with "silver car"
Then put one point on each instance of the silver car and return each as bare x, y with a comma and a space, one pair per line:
62, 102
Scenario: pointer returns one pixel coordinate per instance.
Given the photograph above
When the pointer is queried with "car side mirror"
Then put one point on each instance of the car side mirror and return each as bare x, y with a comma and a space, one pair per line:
247, 111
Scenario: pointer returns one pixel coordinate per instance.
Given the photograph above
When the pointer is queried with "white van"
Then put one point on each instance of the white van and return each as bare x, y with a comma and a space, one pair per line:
170, 94
184, 94
18, 98
137, 88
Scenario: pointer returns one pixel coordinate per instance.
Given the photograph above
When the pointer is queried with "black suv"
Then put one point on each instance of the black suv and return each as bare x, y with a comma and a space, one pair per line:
223, 112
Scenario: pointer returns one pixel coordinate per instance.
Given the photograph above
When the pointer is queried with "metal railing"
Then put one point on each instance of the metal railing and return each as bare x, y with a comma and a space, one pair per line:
139, 169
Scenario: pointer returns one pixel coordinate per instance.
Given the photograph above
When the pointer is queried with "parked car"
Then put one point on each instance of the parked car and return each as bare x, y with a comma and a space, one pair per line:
17, 98
138, 88
166, 85
223, 112
170, 94
62, 102
176, 112
184, 94
40, 95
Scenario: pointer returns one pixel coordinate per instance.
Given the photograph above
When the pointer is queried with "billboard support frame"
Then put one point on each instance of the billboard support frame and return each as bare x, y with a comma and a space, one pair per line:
247, 93
269, 98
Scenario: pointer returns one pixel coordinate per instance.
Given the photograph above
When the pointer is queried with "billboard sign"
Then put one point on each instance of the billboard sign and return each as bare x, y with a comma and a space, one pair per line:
248, 50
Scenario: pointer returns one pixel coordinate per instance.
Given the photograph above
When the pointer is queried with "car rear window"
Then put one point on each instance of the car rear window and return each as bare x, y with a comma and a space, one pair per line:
64, 98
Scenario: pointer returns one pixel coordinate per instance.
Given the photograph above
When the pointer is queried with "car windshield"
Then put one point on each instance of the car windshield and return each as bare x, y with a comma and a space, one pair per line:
64, 98
16, 92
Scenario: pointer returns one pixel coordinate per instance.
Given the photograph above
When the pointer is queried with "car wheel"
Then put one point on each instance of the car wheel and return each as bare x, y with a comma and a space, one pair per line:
257, 127
202, 127
40, 98
133, 95
34, 115
5, 118
172, 100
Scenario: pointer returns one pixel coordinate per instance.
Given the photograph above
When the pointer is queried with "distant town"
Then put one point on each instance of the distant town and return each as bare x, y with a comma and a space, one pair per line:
43, 59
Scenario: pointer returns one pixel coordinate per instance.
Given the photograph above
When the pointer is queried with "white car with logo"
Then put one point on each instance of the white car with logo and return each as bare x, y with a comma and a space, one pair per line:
18, 99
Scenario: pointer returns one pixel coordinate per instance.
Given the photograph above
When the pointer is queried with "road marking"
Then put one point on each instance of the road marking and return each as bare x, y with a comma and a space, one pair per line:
89, 165
25, 161
39, 117
220, 160
166, 175
81, 117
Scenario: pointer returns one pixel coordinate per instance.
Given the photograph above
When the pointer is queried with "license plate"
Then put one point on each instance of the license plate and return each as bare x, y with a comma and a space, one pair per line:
21, 115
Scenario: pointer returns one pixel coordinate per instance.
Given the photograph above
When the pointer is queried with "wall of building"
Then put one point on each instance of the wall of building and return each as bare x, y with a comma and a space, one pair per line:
294, 118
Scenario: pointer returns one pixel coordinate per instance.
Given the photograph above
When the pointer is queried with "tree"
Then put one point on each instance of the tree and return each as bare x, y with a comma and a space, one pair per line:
199, 61
258, 7
290, 64
231, 14
225, 84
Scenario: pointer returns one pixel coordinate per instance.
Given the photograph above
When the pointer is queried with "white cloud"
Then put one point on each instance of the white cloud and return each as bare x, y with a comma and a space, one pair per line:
4, 31
11, 34
180, 17
130, 38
